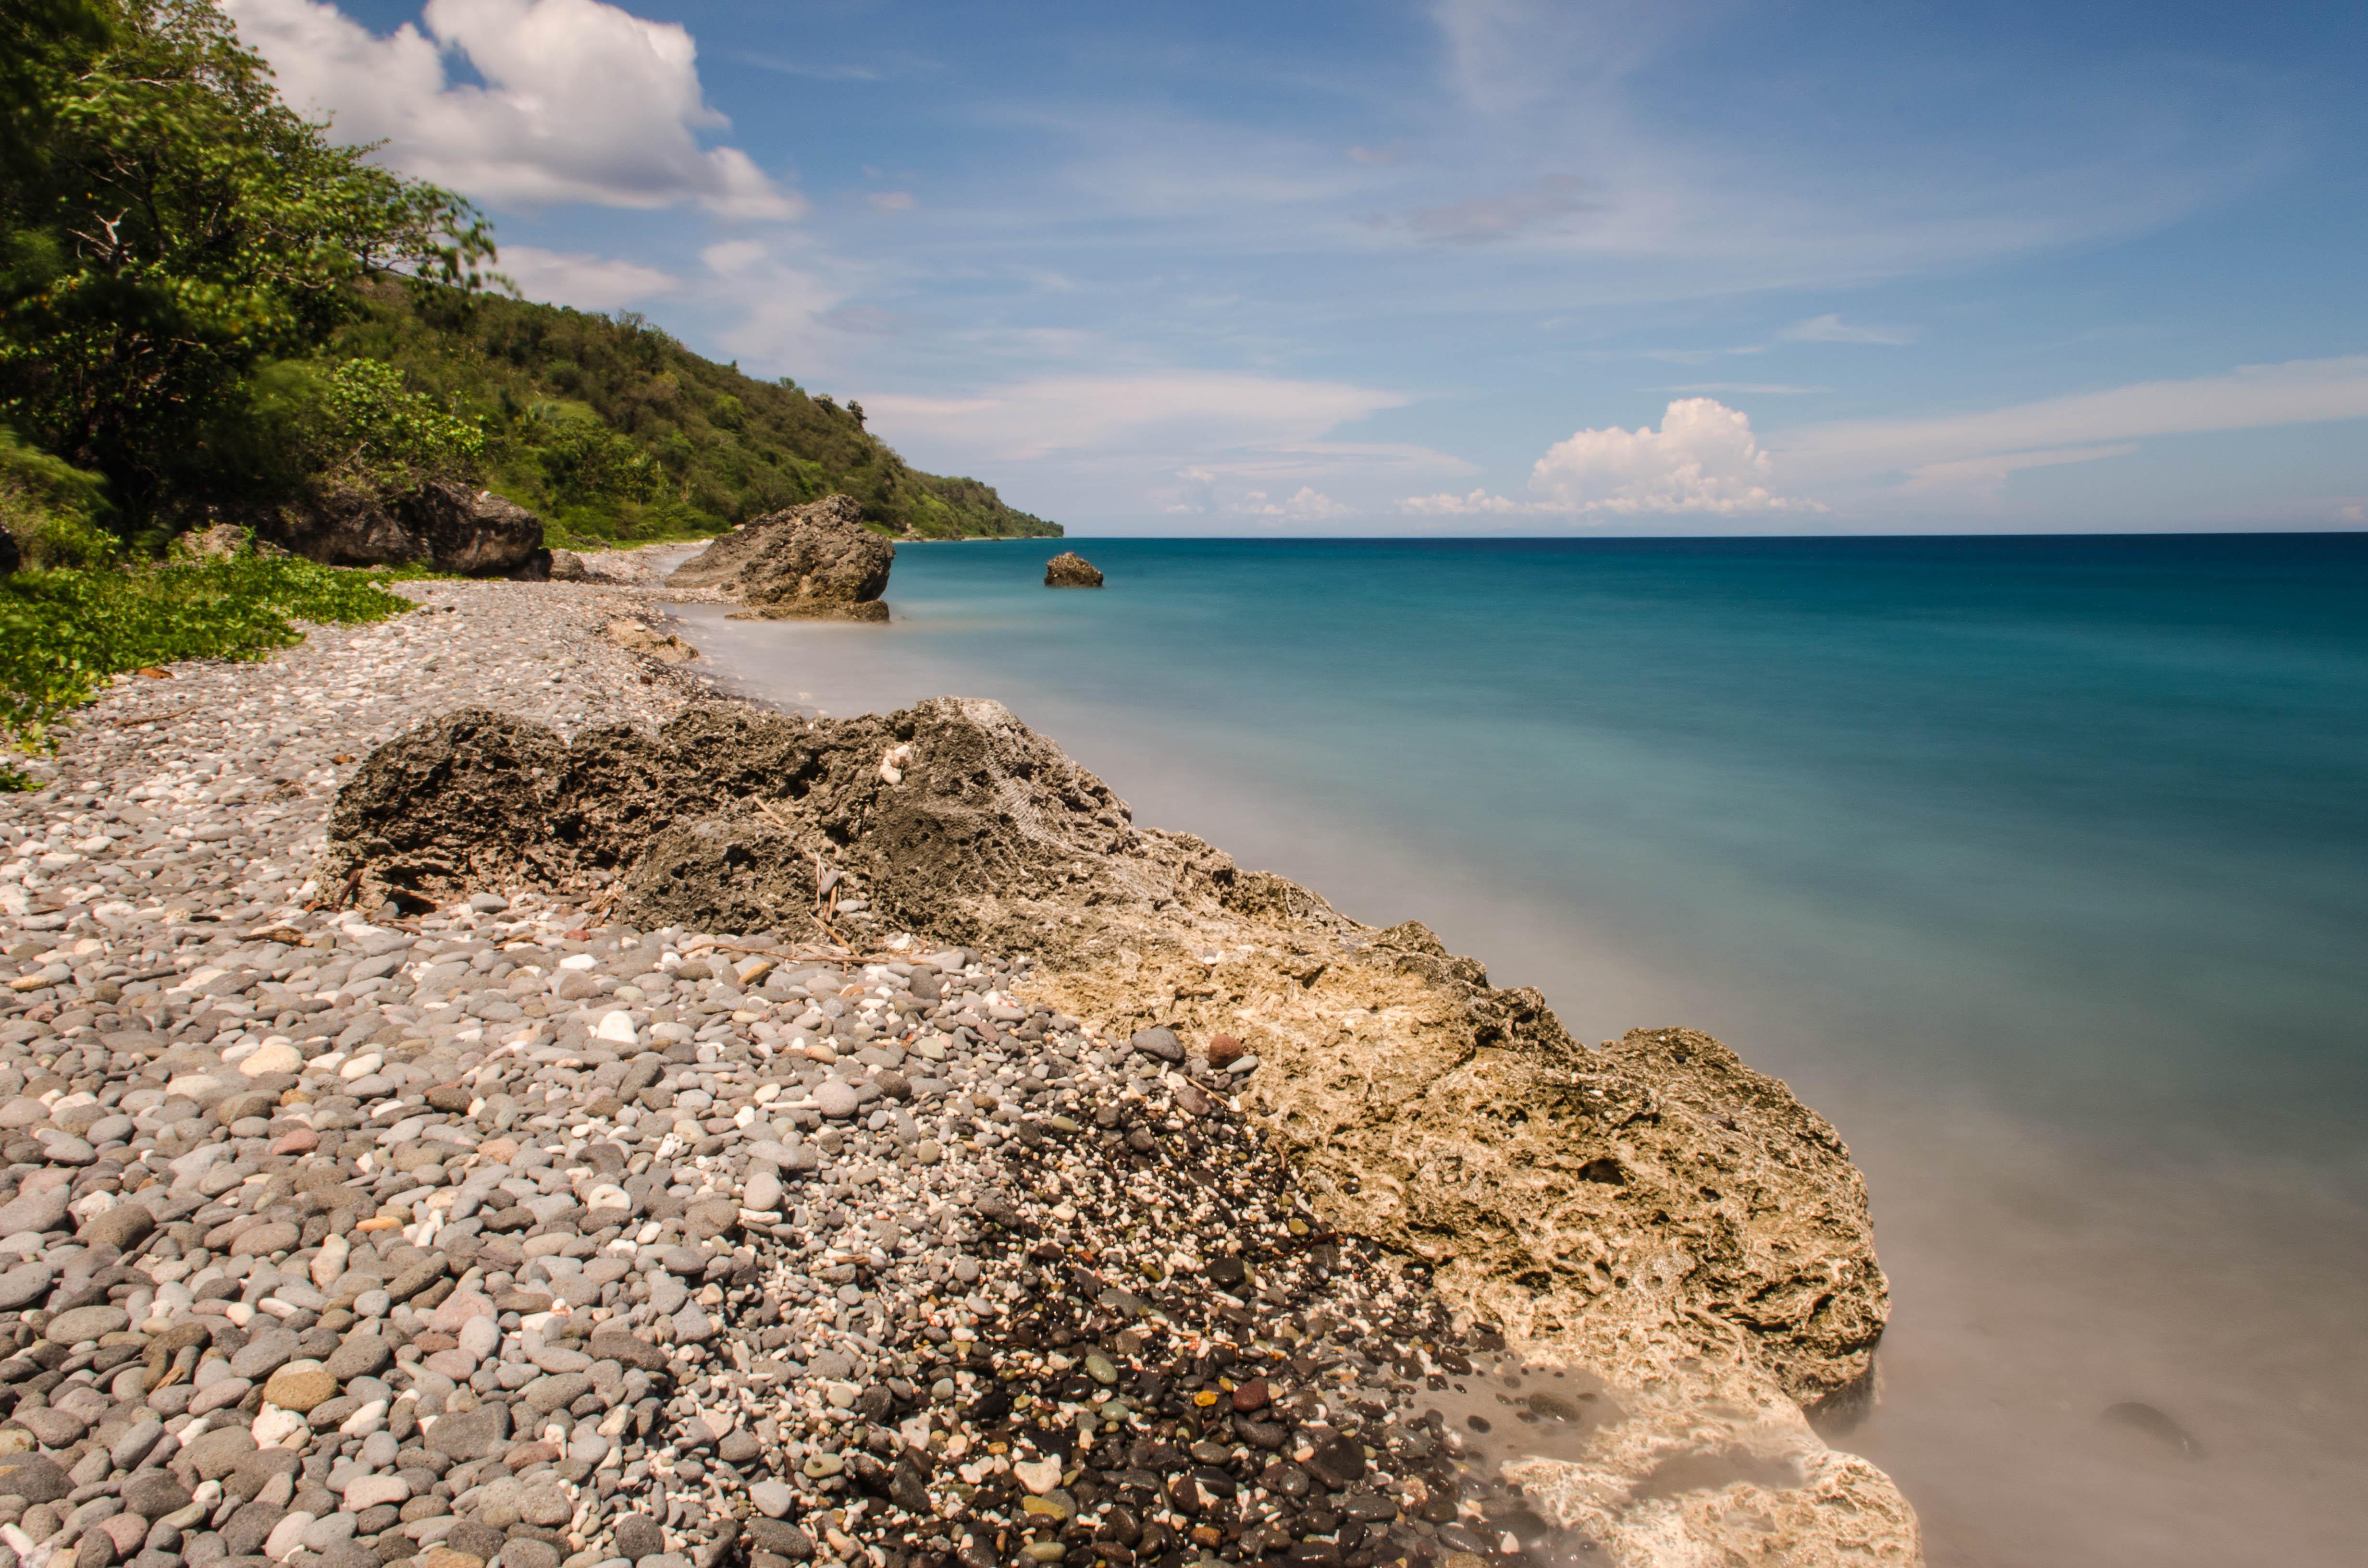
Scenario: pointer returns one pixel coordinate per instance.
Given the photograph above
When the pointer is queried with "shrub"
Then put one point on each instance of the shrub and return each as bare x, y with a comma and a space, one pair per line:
63, 634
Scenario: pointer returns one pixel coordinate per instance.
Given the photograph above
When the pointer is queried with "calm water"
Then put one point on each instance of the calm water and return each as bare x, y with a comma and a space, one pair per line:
2040, 866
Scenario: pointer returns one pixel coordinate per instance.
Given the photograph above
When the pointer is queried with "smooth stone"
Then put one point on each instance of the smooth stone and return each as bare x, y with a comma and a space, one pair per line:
369, 1490
300, 1387
80, 1323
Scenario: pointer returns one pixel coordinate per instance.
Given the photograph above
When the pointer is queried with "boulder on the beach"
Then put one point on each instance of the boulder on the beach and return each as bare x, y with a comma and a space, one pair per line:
1070, 570
664, 647
567, 566
1653, 1214
453, 526
813, 560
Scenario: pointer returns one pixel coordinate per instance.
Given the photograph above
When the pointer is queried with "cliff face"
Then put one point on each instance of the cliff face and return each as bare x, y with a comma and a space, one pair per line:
1654, 1213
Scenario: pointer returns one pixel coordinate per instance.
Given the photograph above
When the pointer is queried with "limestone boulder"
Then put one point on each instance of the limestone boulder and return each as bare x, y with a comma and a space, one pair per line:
1070, 570
813, 560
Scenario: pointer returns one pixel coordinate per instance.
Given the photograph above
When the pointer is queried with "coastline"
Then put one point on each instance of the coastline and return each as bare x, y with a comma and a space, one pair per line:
1128, 972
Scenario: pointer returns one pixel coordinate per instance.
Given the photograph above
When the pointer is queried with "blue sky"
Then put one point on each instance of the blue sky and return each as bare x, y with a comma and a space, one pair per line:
1477, 266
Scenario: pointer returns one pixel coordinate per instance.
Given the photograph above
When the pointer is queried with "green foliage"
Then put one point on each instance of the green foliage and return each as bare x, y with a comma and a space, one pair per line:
719, 447
348, 423
52, 508
63, 634
210, 303
584, 463
166, 223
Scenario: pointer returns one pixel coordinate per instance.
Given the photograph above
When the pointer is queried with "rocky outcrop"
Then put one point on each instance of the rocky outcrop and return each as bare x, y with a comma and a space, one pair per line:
664, 647
448, 525
1070, 570
1651, 1212
567, 566
813, 560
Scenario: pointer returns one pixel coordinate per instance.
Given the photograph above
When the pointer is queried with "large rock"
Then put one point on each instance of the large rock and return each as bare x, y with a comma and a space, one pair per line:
720, 819
1070, 570
1653, 1213
454, 527
816, 560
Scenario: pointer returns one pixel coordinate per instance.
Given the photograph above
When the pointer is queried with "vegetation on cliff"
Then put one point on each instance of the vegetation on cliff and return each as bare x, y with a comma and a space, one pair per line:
222, 313
610, 429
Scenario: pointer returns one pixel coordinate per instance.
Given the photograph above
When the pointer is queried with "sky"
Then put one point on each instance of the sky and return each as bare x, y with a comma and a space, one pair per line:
1467, 266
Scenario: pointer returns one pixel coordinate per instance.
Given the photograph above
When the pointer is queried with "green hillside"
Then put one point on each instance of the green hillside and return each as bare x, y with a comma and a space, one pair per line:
609, 428
211, 311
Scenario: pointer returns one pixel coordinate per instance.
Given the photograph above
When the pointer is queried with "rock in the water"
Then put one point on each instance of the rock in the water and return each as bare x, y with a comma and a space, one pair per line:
1070, 570
816, 560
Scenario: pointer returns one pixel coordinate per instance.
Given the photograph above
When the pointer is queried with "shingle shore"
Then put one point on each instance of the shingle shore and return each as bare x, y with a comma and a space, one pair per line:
506, 1236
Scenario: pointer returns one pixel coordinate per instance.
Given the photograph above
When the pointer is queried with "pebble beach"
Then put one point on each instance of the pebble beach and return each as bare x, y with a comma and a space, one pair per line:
504, 1235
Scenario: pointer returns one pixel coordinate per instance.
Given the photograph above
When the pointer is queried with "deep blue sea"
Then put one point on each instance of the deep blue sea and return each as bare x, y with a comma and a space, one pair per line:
2038, 865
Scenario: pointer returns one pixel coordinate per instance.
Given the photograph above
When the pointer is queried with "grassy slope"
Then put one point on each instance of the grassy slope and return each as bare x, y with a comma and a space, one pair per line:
730, 448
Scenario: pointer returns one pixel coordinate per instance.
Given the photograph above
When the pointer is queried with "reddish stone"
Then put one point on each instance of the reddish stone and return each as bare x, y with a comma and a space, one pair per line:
1252, 1395
296, 1141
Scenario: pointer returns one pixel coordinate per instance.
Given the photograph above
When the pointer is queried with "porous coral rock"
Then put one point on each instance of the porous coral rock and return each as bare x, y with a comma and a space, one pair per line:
1652, 1212
816, 560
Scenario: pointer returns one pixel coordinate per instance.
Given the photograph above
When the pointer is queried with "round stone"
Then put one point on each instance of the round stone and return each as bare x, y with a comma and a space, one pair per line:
836, 1098
79, 1323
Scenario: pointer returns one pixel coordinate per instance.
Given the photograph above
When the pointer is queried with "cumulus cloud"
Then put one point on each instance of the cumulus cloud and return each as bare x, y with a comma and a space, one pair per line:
585, 281
573, 101
1703, 458
1831, 329
1703, 461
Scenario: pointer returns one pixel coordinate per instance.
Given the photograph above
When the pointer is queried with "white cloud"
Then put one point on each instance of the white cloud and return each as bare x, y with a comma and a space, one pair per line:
1703, 458
1479, 502
1310, 506
786, 321
580, 101
1127, 415
1831, 329
1976, 451
587, 282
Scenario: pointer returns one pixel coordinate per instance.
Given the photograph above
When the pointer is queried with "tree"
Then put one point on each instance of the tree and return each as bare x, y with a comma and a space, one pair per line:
167, 223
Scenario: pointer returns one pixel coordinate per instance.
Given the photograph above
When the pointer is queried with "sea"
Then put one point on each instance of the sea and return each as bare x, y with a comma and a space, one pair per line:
2038, 865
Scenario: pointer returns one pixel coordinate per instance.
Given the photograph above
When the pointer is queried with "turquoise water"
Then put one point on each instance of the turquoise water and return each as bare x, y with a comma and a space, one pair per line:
2041, 866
